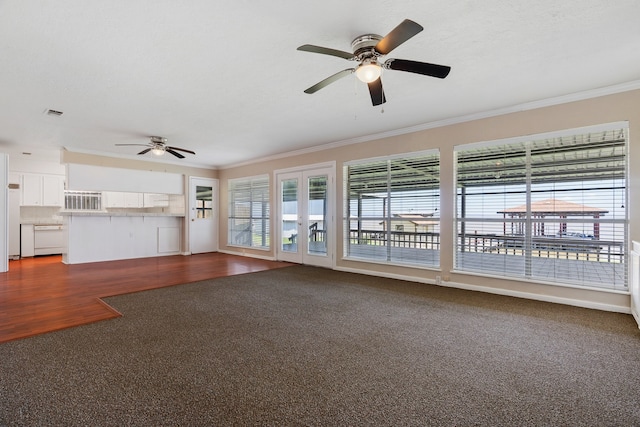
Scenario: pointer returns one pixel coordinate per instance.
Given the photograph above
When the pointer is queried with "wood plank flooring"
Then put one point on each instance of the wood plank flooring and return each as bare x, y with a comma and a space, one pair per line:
42, 294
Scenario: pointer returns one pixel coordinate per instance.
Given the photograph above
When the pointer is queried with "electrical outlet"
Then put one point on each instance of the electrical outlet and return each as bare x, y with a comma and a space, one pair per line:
438, 280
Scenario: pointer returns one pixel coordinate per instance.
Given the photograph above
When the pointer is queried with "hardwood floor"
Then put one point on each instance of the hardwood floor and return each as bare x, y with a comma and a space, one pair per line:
42, 294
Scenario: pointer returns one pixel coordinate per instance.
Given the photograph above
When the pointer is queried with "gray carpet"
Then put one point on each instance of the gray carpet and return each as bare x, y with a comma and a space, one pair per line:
308, 346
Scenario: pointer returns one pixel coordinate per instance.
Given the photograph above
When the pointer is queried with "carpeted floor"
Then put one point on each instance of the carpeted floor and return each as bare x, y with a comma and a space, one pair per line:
308, 346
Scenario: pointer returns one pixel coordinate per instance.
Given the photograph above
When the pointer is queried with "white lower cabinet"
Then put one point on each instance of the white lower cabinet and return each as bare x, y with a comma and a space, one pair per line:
27, 240
93, 238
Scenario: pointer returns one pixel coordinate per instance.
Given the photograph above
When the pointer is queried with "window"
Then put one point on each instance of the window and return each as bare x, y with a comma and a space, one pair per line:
546, 208
391, 209
249, 212
204, 206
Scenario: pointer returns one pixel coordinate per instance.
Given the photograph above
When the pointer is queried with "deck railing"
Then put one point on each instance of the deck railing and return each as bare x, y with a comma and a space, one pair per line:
398, 239
541, 246
545, 247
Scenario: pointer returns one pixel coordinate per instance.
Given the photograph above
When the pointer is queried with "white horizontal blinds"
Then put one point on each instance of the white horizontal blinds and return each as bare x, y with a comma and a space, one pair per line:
392, 210
367, 195
490, 180
249, 212
550, 209
578, 198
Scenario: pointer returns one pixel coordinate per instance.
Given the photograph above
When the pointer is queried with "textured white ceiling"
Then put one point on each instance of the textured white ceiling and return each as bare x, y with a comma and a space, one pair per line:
224, 78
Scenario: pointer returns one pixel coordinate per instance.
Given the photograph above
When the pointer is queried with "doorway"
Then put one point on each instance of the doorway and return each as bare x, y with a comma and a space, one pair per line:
306, 229
203, 215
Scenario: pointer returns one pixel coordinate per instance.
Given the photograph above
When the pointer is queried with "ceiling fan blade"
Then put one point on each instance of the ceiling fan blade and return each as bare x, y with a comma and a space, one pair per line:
337, 76
144, 151
326, 51
433, 70
175, 153
181, 149
141, 145
397, 36
376, 92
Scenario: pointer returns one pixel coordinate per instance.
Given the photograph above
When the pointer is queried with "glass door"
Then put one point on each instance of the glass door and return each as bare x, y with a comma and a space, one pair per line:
290, 219
316, 194
305, 217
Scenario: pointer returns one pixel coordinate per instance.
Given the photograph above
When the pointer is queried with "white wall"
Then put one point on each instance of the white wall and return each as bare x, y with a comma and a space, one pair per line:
38, 161
4, 213
99, 178
617, 107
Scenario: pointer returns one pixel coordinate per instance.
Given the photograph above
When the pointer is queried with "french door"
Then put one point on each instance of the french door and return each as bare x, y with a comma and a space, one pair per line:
306, 232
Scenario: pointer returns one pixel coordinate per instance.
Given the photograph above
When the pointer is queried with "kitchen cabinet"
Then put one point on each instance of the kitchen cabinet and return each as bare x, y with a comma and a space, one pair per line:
31, 190
156, 200
27, 240
116, 199
96, 237
53, 190
42, 190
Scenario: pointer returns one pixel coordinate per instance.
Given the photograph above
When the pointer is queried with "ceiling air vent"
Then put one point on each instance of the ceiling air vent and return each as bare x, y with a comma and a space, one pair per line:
54, 113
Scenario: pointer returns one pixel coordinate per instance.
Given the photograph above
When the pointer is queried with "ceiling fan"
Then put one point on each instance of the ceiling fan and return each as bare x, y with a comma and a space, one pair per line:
158, 146
368, 50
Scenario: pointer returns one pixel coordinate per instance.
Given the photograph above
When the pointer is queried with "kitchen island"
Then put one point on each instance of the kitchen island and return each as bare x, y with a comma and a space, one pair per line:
107, 236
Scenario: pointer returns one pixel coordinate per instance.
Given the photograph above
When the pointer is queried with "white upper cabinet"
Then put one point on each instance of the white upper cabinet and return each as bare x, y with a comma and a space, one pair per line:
52, 190
42, 190
155, 200
117, 199
31, 190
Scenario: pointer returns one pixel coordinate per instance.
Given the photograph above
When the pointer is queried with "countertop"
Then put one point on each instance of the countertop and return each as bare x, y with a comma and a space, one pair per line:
107, 213
41, 222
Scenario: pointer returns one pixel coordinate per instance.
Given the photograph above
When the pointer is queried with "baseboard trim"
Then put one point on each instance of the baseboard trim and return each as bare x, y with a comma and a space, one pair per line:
250, 255
498, 291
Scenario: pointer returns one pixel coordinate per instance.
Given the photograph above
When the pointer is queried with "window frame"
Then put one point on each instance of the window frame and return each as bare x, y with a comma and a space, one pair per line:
531, 225
388, 238
256, 190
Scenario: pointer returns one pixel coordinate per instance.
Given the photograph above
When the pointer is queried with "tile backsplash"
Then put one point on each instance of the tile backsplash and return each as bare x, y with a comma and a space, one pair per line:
40, 215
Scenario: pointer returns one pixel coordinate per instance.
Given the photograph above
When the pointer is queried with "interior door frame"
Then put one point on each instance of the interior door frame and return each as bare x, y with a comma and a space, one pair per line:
191, 212
4, 213
330, 169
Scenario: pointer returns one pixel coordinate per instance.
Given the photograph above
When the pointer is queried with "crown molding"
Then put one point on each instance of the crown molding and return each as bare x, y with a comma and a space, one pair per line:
563, 99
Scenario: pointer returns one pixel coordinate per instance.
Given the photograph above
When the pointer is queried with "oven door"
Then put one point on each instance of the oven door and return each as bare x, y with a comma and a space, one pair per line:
48, 239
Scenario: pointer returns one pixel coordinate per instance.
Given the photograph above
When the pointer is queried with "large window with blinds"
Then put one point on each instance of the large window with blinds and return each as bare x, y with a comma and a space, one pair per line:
391, 209
548, 208
249, 212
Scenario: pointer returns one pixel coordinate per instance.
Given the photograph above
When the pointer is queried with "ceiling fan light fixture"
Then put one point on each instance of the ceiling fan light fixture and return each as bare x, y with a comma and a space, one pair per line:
369, 71
158, 150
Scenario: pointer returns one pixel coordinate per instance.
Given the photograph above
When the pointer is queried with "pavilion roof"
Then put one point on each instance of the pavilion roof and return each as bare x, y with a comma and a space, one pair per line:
556, 207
